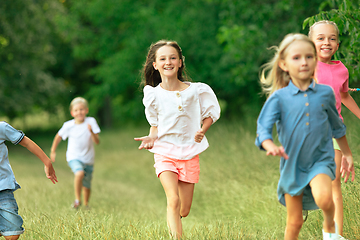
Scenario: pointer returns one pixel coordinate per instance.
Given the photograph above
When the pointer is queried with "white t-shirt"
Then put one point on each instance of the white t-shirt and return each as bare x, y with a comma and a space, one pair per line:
178, 115
80, 145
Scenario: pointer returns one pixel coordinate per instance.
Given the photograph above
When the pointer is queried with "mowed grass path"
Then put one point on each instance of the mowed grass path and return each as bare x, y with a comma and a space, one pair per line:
235, 198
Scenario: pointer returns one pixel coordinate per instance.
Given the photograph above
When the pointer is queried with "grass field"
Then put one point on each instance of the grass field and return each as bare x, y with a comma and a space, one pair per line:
235, 198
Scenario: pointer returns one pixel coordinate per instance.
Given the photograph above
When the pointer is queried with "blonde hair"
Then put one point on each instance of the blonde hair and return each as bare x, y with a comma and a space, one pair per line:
276, 78
78, 100
324, 22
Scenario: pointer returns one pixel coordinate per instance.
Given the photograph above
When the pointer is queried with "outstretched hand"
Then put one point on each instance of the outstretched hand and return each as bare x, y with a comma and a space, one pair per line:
50, 173
146, 142
277, 151
347, 168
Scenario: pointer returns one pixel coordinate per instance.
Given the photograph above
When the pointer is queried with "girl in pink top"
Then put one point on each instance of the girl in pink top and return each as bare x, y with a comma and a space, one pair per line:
179, 114
325, 35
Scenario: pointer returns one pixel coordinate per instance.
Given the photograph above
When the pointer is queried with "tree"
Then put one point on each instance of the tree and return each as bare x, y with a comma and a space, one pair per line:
26, 51
224, 42
96, 48
248, 29
115, 36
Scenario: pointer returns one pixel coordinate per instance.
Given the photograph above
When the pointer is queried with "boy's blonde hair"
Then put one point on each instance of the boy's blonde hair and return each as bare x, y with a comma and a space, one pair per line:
324, 22
78, 100
277, 78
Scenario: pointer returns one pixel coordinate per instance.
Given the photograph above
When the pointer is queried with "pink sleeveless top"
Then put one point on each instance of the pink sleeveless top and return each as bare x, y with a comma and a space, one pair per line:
336, 76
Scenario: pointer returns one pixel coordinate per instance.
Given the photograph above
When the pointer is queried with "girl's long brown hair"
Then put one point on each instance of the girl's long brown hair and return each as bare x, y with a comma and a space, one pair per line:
151, 76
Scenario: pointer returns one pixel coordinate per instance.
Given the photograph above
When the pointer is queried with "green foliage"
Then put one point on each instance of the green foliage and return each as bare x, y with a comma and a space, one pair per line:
53, 51
27, 50
346, 14
224, 43
247, 29
115, 36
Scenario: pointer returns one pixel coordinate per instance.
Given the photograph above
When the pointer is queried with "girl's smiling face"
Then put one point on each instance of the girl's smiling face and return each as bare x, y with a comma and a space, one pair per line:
167, 62
326, 41
299, 62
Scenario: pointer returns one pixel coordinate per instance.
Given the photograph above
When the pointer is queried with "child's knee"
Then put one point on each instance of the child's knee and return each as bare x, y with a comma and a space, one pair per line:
184, 212
185, 209
295, 223
325, 201
173, 202
326, 204
80, 174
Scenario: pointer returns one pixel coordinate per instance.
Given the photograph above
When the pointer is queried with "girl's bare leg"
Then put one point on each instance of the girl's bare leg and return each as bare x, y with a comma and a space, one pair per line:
186, 192
294, 219
169, 181
321, 188
337, 195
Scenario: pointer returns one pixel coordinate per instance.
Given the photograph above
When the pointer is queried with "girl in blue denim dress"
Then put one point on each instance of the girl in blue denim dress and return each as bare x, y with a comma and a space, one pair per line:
306, 120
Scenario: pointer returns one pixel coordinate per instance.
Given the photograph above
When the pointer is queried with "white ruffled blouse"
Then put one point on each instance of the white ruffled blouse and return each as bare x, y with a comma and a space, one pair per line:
178, 115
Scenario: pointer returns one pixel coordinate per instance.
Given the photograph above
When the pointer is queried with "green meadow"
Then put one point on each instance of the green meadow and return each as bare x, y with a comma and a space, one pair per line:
235, 198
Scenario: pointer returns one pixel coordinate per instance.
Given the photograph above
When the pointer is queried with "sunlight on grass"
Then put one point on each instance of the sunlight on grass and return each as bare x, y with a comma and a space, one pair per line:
41, 120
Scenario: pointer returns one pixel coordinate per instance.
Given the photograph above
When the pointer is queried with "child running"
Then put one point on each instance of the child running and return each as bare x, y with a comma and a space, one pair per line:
306, 118
175, 110
82, 132
10, 221
325, 35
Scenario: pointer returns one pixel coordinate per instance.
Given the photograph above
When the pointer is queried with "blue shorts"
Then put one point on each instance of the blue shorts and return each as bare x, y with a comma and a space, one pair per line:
10, 221
77, 165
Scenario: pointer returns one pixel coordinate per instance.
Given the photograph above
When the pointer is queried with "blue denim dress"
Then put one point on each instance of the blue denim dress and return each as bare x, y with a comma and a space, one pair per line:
305, 121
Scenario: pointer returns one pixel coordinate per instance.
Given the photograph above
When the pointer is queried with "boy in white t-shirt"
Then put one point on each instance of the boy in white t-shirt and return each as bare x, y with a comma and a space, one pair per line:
82, 132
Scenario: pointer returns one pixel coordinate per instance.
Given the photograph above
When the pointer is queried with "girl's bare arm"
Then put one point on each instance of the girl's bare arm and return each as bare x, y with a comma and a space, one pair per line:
207, 122
350, 103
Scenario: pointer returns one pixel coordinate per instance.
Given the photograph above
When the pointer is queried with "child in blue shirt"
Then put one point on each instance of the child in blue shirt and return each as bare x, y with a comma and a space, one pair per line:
10, 221
306, 119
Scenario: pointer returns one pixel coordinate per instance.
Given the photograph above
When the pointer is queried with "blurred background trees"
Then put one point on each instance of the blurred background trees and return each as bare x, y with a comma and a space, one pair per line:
55, 50
28, 47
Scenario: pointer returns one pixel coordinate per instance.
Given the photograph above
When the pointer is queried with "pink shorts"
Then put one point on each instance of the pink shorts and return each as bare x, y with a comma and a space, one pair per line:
187, 170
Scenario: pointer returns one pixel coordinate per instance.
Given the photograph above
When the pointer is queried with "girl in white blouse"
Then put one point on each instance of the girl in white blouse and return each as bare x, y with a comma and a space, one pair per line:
179, 114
